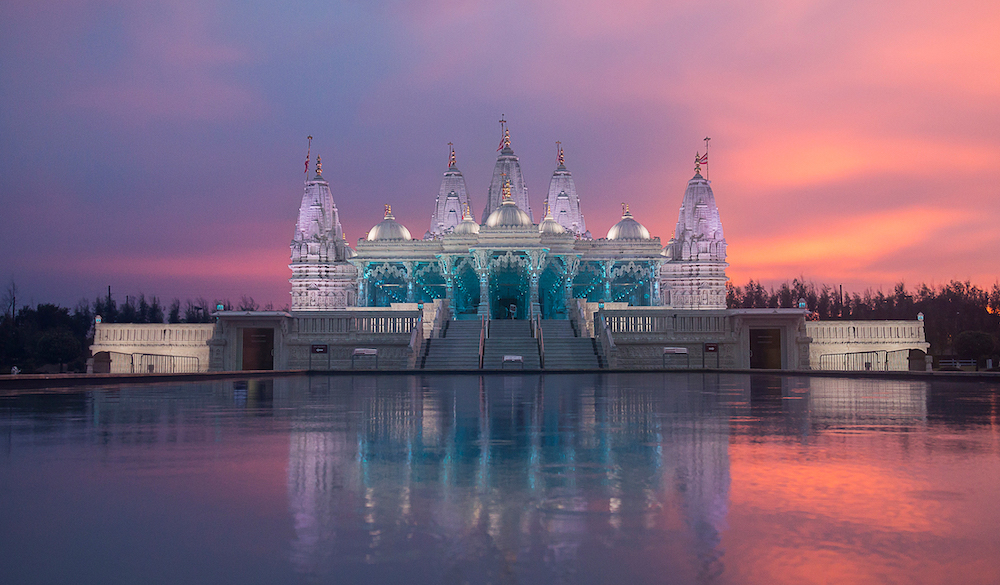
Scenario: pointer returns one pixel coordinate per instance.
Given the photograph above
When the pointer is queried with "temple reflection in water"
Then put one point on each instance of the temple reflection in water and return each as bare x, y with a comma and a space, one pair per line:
509, 474
524, 477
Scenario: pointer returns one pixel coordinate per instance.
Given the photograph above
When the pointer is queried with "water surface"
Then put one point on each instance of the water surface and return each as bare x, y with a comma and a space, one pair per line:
613, 478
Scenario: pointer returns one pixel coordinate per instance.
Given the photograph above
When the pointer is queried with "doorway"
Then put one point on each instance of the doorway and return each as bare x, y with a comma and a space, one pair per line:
258, 348
765, 349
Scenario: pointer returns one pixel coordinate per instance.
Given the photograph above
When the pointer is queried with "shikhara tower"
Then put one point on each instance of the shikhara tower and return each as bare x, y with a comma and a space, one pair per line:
451, 202
507, 169
322, 278
694, 274
562, 201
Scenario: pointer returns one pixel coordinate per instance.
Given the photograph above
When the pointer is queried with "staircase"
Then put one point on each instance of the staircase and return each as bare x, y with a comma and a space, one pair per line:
510, 337
457, 350
565, 351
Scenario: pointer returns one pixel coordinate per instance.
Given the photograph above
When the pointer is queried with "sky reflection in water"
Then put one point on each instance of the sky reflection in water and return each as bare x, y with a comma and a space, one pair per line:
504, 479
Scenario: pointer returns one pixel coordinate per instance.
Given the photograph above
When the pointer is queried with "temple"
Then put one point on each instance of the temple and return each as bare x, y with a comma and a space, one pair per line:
507, 266
512, 290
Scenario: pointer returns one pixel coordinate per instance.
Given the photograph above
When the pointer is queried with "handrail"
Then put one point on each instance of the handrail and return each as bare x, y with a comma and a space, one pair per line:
541, 342
416, 340
441, 316
482, 339
603, 332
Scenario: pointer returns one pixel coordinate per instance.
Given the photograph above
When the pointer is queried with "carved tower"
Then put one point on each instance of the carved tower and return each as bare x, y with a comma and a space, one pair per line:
322, 278
693, 275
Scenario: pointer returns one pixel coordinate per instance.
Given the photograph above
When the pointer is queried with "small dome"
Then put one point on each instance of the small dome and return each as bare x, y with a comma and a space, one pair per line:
628, 229
509, 215
388, 229
550, 226
468, 226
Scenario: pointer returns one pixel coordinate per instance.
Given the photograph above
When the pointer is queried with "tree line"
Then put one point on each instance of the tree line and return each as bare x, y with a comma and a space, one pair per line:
960, 318
48, 338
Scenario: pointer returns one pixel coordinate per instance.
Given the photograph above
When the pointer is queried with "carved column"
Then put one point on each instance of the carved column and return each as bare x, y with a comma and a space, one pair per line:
409, 281
536, 261
480, 262
362, 283
608, 266
447, 266
571, 266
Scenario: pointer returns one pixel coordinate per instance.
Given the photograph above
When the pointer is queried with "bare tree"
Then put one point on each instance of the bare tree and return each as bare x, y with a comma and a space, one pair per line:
10, 298
247, 303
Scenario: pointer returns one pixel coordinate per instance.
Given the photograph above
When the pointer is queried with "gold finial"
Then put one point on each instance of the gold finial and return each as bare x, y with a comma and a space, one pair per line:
697, 163
451, 156
319, 166
625, 211
559, 154
388, 211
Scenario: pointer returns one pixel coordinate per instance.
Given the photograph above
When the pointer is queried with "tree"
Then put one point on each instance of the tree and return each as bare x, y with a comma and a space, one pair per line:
10, 299
155, 311
58, 346
247, 304
175, 311
974, 345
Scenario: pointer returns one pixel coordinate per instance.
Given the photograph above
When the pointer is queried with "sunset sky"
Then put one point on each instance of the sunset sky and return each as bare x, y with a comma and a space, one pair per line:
158, 146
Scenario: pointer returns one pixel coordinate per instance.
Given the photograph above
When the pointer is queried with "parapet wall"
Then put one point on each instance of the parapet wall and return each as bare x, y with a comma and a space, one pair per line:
178, 340
849, 338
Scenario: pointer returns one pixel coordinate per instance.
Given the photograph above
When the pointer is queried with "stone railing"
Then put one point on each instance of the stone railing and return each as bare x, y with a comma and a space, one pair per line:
359, 323
416, 344
865, 331
657, 321
603, 334
152, 333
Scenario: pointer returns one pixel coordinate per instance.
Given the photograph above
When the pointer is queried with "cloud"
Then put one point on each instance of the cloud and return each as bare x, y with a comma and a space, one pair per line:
174, 67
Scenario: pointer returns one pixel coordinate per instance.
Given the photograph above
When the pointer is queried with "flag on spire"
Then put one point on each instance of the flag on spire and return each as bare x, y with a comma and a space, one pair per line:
703, 159
505, 138
308, 151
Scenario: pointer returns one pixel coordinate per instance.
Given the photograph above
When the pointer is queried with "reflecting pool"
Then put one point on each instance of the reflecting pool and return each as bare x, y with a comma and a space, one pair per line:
590, 478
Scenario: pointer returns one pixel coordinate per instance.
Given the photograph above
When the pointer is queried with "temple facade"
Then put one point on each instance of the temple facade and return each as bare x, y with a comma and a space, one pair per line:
507, 265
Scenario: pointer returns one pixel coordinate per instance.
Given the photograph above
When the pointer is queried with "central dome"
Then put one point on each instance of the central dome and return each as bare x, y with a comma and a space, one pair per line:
628, 229
509, 215
388, 229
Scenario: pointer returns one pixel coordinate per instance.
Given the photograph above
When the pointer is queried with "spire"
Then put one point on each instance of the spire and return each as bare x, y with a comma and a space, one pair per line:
559, 155
451, 156
507, 168
505, 141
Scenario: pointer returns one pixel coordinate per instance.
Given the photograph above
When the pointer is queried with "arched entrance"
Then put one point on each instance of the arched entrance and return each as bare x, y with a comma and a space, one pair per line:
509, 288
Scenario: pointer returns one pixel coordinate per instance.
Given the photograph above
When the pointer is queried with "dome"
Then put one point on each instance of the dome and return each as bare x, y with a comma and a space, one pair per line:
508, 215
468, 226
550, 225
388, 229
628, 229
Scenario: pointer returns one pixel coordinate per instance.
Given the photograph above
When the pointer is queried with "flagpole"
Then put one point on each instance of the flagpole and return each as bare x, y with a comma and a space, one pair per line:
708, 170
308, 152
